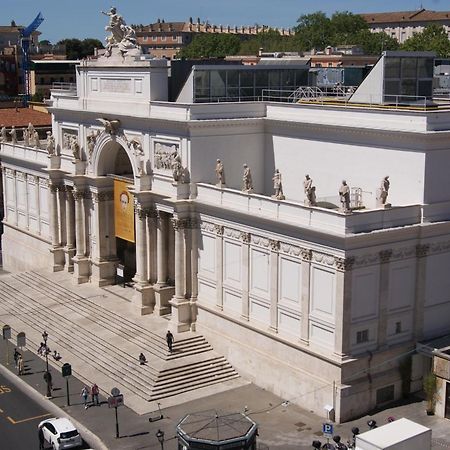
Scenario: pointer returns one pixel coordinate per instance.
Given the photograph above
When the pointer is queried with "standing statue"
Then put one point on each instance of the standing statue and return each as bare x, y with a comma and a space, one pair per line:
277, 186
37, 142
247, 179
50, 144
177, 168
114, 26
3, 135
75, 148
91, 144
383, 191
310, 191
26, 137
13, 134
220, 173
344, 193
31, 132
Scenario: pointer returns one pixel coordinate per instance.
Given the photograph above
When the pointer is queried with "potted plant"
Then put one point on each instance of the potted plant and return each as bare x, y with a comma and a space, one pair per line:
430, 389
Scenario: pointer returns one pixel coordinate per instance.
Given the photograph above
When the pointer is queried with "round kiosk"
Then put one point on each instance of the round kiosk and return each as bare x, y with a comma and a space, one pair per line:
211, 430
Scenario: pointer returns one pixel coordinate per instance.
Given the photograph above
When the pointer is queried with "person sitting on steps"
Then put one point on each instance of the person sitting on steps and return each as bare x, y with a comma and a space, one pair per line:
142, 359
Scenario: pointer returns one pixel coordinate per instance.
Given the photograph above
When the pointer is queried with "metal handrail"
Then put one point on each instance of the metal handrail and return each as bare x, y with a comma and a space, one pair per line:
63, 86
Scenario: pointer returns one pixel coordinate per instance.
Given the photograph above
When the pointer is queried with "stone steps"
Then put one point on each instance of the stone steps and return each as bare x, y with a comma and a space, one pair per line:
93, 334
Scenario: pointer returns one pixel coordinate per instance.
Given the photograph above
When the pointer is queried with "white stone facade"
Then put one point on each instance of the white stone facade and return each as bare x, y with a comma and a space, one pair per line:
318, 306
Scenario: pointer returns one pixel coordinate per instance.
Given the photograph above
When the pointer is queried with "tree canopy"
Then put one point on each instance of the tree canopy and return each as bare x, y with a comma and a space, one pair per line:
211, 46
77, 49
433, 38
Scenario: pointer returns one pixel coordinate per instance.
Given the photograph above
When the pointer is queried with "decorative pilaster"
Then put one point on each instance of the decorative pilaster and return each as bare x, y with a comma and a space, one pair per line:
141, 245
306, 256
81, 263
193, 227
70, 227
274, 246
218, 229
181, 320
343, 305
421, 275
385, 257
57, 250
245, 238
152, 260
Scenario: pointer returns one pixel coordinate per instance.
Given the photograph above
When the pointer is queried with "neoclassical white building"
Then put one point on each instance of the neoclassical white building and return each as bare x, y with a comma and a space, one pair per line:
319, 306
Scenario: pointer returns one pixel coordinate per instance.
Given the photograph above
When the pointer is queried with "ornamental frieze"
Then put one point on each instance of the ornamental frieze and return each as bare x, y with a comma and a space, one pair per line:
163, 155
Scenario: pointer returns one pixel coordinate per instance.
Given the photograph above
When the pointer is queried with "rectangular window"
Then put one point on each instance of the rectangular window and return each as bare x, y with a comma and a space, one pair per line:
154, 38
163, 38
398, 327
362, 336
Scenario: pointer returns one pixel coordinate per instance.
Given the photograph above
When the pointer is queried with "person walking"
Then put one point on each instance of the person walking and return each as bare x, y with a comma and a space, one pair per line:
94, 393
20, 365
169, 339
85, 395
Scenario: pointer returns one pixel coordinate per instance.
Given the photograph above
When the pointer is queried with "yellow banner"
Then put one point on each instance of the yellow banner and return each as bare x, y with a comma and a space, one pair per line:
123, 211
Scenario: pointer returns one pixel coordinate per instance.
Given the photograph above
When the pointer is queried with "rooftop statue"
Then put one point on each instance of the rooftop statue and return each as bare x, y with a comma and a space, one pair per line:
122, 36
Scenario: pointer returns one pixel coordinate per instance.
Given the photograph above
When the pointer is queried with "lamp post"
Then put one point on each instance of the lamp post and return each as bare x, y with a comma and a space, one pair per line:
47, 376
160, 436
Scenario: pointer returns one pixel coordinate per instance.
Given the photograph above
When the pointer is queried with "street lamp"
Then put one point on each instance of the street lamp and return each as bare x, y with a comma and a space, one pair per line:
47, 375
160, 436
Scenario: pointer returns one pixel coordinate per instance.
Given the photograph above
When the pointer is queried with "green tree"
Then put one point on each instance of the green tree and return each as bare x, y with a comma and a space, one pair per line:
433, 38
375, 43
270, 41
345, 26
76, 49
211, 46
313, 31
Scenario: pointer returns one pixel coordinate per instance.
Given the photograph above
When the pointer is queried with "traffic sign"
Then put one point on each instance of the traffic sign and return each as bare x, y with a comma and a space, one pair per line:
66, 370
115, 392
327, 430
21, 339
115, 401
6, 330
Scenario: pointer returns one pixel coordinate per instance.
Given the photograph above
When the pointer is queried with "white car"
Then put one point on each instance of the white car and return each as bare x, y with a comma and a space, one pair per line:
60, 433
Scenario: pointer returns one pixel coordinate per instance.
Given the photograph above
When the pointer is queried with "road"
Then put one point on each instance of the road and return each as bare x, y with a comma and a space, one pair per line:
19, 417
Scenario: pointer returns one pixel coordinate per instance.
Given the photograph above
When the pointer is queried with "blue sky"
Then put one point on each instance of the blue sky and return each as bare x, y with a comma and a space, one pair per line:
82, 18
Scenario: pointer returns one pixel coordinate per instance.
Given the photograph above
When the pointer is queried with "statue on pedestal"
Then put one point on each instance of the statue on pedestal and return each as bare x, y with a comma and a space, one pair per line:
75, 148
344, 194
26, 137
310, 191
220, 173
247, 180
50, 144
277, 186
37, 142
3, 135
383, 191
13, 134
31, 131
177, 168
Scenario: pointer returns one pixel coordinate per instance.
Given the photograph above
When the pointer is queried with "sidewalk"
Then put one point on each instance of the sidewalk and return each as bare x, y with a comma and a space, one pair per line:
281, 426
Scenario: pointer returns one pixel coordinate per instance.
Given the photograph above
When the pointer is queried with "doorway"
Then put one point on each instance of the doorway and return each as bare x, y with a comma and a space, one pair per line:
126, 253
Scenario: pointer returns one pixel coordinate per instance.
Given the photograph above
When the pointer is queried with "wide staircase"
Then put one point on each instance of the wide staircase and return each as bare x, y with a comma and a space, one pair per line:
99, 334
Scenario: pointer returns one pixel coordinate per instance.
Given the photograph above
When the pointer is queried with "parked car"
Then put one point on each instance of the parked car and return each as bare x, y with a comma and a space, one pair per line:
60, 433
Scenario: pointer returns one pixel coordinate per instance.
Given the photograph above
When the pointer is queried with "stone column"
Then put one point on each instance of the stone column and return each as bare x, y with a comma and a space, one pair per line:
305, 299
143, 298
383, 295
274, 246
163, 293
70, 228
180, 320
219, 266
245, 238
343, 306
421, 275
81, 263
57, 250
193, 225
152, 260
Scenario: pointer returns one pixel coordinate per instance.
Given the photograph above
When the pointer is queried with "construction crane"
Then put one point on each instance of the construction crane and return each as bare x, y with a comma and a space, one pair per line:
25, 38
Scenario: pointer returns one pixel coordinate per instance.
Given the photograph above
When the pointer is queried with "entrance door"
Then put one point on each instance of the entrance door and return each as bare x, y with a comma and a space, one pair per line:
447, 401
126, 252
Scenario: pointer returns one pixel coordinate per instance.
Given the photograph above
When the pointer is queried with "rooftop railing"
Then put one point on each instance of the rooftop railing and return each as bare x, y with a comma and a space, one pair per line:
62, 86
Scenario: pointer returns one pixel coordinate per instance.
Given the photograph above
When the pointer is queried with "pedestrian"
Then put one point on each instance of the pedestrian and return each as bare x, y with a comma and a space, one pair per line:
20, 365
169, 339
48, 379
56, 355
41, 438
85, 395
16, 357
94, 392
142, 359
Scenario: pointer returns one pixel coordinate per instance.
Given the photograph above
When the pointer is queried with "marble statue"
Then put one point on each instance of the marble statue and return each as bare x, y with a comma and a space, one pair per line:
247, 180
277, 186
137, 147
50, 144
310, 191
13, 134
111, 126
220, 173
177, 168
31, 131
37, 142
383, 191
122, 36
3, 135
344, 194
91, 139
75, 148
26, 137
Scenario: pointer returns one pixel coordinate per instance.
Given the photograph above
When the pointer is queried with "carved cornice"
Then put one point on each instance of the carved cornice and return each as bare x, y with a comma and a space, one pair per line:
232, 233
274, 245
21, 175
54, 188
180, 224
10, 172
323, 258
218, 229
79, 194
385, 256
260, 241
245, 237
306, 254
